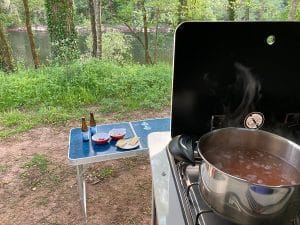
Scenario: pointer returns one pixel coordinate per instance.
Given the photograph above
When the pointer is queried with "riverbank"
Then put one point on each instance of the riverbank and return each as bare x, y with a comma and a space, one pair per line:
119, 28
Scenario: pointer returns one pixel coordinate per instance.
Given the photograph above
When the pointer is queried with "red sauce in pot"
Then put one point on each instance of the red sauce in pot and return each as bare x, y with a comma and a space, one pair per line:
255, 166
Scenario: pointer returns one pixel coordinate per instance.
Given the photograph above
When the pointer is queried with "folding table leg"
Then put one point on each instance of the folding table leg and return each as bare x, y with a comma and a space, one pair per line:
82, 190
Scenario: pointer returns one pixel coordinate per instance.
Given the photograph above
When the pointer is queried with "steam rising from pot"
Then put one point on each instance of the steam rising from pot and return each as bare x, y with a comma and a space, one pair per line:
239, 95
250, 90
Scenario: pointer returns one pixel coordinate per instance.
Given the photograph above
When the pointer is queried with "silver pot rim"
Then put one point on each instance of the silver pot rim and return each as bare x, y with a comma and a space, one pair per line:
248, 130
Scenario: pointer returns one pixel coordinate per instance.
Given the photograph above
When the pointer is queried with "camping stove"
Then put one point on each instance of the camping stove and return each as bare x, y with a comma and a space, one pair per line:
194, 208
225, 74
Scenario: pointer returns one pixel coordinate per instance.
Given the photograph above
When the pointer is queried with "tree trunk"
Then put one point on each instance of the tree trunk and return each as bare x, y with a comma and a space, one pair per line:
30, 35
181, 11
293, 9
93, 27
231, 9
60, 20
6, 59
145, 30
247, 13
156, 35
99, 28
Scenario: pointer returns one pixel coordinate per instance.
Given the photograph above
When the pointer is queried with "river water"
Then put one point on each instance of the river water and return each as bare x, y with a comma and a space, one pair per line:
22, 53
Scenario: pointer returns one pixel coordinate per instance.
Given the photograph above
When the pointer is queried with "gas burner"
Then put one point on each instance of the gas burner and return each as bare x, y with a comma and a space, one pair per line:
296, 221
195, 209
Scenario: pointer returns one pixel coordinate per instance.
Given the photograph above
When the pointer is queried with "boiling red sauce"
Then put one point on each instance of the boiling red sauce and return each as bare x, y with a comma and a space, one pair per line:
255, 166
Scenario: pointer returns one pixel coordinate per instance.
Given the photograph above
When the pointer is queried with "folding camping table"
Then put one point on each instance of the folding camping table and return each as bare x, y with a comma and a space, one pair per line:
81, 153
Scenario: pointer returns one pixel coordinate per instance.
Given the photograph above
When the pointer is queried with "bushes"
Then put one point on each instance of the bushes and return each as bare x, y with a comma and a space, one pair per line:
58, 93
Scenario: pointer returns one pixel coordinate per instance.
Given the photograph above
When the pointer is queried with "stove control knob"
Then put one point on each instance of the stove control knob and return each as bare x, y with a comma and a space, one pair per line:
254, 120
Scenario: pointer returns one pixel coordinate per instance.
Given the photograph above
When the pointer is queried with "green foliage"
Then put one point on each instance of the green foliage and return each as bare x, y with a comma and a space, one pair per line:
98, 174
60, 19
38, 10
65, 49
262, 10
102, 174
130, 12
9, 14
218, 9
38, 161
56, 94
14, 12
202, 10
81, 12
116, 47
39, 171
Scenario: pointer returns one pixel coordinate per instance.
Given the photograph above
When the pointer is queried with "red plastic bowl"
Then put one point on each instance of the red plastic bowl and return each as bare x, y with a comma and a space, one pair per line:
101, 138
117, 133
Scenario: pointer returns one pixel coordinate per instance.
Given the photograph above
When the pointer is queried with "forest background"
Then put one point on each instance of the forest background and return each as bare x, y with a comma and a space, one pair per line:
59, 58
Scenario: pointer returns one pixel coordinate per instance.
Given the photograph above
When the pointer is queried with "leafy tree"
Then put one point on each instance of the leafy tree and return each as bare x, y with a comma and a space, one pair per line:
203, 9
247, 9
93, 26
99, 27
238, 9
81, 12
231, 9
181, 11
117, 47
30, 34
293, 9
6, 59
162, 13
261, 10
38, 10
15, 15
12, 17
140, 15
60, 17
95, 9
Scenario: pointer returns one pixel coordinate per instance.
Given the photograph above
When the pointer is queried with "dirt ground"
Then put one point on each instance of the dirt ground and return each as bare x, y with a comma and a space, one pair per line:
38, 186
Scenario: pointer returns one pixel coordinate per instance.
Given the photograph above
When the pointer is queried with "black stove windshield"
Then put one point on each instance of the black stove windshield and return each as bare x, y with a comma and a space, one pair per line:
236, 74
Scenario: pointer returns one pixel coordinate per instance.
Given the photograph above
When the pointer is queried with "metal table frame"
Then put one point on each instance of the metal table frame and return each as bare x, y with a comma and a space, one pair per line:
81, 154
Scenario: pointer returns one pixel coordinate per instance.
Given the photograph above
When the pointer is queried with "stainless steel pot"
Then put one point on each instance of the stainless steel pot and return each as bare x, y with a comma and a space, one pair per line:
241, 201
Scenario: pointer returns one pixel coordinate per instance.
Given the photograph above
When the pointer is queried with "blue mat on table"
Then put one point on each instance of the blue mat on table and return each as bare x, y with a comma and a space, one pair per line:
80, 150
145, 127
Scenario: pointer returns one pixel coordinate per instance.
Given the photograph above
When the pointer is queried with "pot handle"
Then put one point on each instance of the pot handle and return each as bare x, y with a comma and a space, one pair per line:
181, 147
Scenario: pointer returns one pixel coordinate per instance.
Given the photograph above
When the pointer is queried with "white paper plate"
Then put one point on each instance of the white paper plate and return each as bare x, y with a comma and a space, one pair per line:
129, 146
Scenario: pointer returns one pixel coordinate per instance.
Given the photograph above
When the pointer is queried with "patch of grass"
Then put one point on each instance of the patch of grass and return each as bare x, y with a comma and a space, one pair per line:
105, 173
38, 161
15, 121
41, 172
95, 175
55, 94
